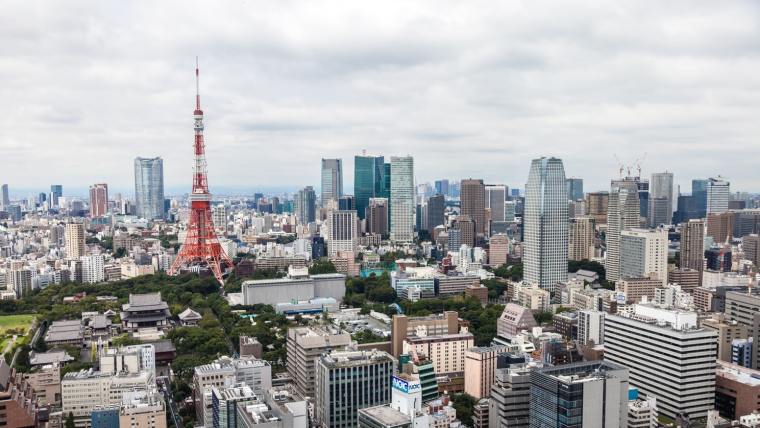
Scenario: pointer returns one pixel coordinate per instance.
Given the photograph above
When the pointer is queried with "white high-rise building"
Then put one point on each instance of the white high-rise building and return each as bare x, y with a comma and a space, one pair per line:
668, 357
149, 187
402, 198
718, 194
546, 224
622, 213
219, 216
496, 195
342, 231
92, 269
591, 327
644, 254
332, 180
661, 186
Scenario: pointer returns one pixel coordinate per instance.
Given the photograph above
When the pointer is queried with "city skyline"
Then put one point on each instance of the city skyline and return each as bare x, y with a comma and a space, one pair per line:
508, 93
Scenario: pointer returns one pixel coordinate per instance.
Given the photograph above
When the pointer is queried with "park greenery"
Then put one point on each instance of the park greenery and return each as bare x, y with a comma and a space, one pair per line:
222, 325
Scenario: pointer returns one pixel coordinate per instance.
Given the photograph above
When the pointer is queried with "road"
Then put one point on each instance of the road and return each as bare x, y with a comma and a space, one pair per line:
165, 387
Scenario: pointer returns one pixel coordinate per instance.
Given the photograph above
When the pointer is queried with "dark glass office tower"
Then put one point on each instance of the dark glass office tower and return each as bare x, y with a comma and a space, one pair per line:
369, 181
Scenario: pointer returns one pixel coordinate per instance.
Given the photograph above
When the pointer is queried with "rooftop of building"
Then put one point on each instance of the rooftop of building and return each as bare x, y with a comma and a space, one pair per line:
738, 373
582, 371
145, 302
386, 415
230, 364
441, 337
354, 358
49, 357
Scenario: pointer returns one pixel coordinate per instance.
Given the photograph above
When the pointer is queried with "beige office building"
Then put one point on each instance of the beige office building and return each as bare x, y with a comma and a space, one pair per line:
636, 288
75, 245
597, 204
445, 351
480, 369
498, 250
581, 238
304, 346
403, 327
692, 251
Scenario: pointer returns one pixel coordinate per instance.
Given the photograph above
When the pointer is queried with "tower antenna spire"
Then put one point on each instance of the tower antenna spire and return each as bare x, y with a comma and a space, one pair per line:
197, 86
201, 245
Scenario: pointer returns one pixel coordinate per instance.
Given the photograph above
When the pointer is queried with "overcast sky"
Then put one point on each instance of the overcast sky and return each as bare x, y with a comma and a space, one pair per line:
470, 89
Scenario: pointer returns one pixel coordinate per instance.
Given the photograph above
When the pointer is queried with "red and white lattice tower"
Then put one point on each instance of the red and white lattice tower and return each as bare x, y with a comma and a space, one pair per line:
201, 246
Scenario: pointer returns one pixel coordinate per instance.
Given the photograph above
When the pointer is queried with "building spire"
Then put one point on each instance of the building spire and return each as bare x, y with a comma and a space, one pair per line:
197, 87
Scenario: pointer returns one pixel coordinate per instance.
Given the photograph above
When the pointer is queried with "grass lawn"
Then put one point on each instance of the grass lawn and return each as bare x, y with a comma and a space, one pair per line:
10, 322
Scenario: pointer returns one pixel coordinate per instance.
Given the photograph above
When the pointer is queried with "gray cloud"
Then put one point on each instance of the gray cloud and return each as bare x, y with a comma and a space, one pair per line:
468, 88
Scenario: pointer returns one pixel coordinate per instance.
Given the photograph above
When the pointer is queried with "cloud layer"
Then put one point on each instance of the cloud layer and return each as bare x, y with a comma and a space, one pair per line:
470, 89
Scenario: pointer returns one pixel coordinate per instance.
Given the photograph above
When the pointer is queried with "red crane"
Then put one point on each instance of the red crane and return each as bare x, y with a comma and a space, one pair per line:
201, 246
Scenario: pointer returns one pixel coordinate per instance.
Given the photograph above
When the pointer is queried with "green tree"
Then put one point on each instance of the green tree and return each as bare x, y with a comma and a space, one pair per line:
70, 421
322, 266
513, 271
463, 404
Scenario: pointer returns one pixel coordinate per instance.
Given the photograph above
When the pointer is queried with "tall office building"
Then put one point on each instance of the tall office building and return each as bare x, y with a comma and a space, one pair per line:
369, 180
699, 198
668, 357
644, 254
348, 381
574, 189
496, 196
4, 198
718, 193
643, 186
661, 186
509, 405
306, 205
56, 191
742, 308
597, 205
304, 345
473, 204
585, 394
402, 199
75, 241
98, 200
442, 187
580, 243
332, 180
545, 224
342, 232
692, 245
622, 213
659, 212
149, 187
435, 208
377, 216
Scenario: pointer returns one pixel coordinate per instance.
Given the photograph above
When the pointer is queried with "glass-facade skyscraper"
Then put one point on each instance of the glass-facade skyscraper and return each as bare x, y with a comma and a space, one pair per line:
149, 188
574, 189
402, 199
369, 181
332, 180
545, 224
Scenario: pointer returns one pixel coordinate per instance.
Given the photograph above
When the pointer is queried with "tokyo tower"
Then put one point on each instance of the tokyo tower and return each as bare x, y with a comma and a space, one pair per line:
201, 246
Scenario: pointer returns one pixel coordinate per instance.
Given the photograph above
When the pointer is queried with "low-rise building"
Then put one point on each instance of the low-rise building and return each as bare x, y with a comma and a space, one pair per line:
297, 286
737, 390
